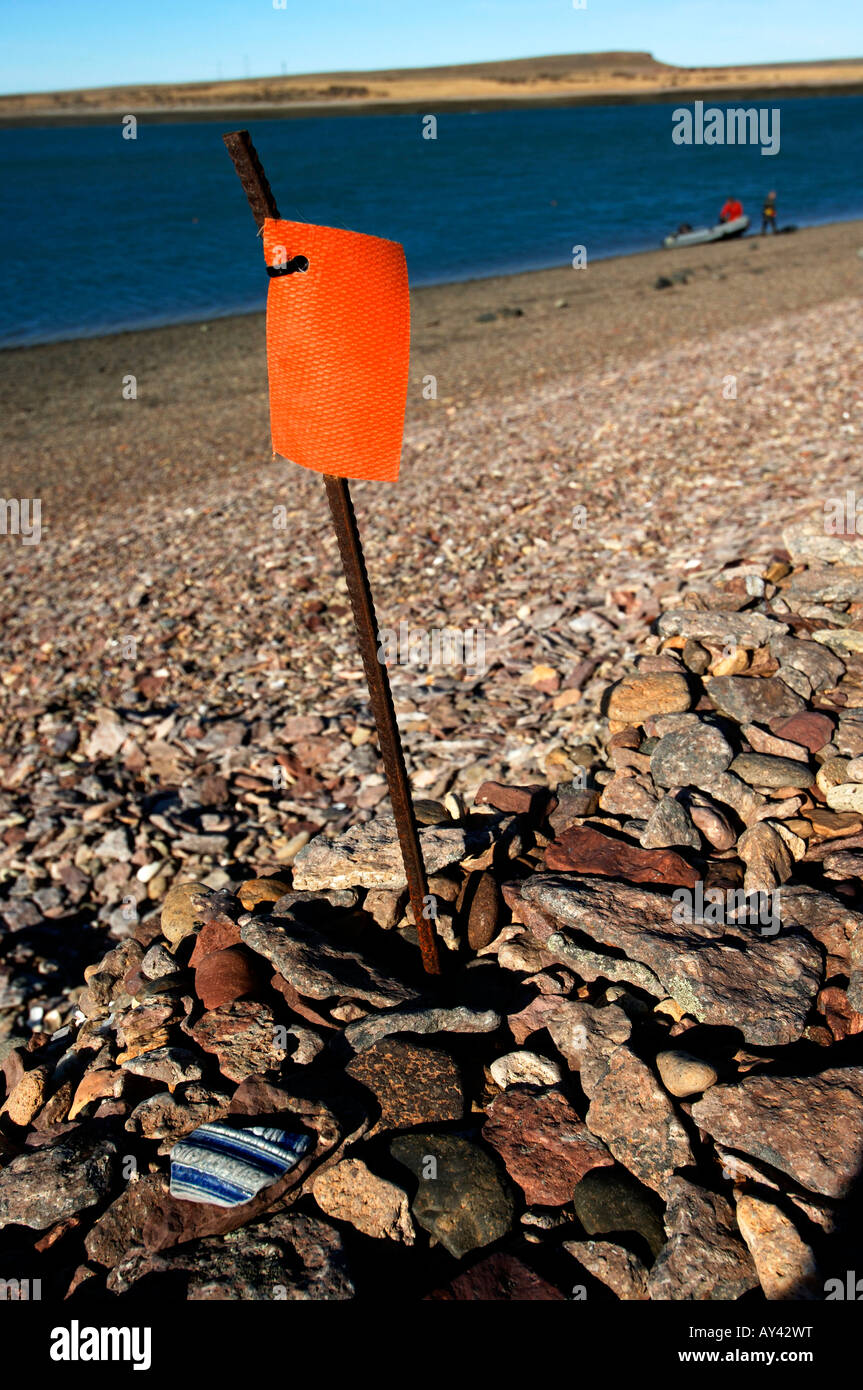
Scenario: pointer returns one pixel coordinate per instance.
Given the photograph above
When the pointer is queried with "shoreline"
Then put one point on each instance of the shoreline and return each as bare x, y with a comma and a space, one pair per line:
467, 282
254, 111
201, 412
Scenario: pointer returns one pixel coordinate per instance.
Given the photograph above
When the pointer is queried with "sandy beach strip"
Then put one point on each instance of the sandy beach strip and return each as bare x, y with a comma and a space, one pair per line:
201, 415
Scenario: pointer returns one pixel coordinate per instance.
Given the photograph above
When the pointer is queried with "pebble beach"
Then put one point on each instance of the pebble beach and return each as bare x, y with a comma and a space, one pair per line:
182, 703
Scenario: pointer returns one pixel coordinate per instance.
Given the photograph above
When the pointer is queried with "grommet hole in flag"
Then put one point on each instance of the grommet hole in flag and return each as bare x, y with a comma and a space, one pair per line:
338, 349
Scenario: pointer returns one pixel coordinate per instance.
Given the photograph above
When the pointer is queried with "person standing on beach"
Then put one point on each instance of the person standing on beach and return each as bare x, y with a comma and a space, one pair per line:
732, 210
768, 214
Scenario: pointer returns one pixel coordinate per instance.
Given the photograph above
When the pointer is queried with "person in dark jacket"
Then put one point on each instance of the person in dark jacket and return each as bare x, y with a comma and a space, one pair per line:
768, 214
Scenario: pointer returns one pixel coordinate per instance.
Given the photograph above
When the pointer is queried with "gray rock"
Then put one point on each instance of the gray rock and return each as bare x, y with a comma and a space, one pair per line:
594, 965
753, 699
44, 1185
461, 1198
766, 856
764, 770
460, 1019
809, 1127
669, 825
748, 630
608, 1201
318, 966
808, 540
704, 1259
719, 972
690, 757
820, 667
368, 855
285, 1257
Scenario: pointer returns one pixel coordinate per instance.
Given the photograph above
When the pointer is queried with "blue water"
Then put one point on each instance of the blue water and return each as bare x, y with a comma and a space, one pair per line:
100, 233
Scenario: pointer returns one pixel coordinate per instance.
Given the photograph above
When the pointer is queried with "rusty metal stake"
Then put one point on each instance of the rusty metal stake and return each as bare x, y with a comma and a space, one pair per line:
263, 204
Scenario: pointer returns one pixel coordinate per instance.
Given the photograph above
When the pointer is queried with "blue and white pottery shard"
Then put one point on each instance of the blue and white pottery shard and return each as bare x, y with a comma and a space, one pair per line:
225, 1167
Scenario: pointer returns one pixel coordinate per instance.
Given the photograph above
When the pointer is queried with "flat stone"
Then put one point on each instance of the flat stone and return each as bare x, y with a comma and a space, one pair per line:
747, 630
766, 989
764, 770
704, 1258
183, 911
636, 698
521, 801
609, 1201
171, 1065
809, 1127
808, 541
687, 757
242, 1036
413, 1085
820, 667
166, 1116
682, 1074
827, 584
350, 1191
318, 966
584, 849
544, 1145
460, 1197
368, 855
287, 1257
785, 1263
459, 1019
631, 1112
846, 639
499, 1278
60, 1179
613, 1265
753, 699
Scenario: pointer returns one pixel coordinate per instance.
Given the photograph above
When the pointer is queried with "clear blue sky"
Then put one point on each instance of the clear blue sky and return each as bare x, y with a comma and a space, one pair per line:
49, 44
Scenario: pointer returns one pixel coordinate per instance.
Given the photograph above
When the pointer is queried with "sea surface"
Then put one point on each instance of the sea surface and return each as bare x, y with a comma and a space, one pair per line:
100, 233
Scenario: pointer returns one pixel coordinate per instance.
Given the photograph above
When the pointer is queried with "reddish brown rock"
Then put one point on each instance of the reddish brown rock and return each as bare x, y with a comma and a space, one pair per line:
484, 912
224, 976
219, 935
631, 1112
809, 728
499, 1278
298, 1004
585, 850
544, 1145
413, 1085
242, 1036
810, 1127
520, 801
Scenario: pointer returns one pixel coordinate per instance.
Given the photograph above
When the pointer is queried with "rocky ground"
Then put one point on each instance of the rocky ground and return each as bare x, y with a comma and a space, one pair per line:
641, 1075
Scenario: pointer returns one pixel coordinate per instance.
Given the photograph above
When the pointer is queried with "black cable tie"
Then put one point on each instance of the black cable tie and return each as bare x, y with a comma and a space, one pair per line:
290, 267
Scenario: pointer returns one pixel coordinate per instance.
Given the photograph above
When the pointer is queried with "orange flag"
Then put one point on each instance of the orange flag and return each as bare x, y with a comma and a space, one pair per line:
338, 347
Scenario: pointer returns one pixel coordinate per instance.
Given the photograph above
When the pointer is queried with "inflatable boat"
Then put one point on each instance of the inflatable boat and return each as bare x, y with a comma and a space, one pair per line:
723, 231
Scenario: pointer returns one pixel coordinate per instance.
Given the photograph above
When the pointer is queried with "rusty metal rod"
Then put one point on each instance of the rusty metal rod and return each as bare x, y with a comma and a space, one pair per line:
263, 204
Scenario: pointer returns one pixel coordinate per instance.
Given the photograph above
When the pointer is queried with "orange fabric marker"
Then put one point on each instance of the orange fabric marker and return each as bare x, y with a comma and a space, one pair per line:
338, 349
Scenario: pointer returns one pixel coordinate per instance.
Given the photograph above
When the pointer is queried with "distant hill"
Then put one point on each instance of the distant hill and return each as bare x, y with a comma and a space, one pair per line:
565, 79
